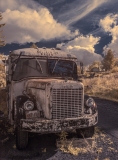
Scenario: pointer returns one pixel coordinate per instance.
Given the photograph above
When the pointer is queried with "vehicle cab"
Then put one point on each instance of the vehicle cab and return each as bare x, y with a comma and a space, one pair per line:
45, 94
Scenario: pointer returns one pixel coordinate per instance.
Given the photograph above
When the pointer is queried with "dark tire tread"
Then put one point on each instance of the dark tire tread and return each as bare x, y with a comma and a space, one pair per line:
85, 132
21, 139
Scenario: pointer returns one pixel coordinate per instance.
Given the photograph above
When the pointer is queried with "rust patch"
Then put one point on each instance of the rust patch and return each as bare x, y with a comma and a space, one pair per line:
43, 126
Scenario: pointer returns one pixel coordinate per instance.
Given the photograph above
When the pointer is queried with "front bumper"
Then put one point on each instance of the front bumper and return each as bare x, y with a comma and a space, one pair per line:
52, 126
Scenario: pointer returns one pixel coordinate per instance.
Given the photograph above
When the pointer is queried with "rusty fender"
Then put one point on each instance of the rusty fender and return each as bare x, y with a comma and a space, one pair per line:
43, 126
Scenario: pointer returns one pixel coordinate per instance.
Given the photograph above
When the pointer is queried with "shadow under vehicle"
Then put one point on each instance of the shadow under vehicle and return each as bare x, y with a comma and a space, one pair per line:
45, 94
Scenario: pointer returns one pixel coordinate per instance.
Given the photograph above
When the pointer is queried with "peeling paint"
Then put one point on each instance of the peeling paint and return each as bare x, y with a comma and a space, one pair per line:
43, 126
41, 90
59, 101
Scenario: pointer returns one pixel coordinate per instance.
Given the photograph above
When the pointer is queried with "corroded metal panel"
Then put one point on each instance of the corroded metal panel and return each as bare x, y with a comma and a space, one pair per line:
43, 52
43, 126
68, 102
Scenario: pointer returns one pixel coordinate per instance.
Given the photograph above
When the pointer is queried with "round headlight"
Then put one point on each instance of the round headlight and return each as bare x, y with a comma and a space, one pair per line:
90, 102
28, 105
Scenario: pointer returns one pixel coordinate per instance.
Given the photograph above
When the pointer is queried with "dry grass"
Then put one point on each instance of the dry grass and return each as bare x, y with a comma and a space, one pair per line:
2, 86
2, 73
67, 147
94, 148
105, 86
2, 79
115, 69
3, 104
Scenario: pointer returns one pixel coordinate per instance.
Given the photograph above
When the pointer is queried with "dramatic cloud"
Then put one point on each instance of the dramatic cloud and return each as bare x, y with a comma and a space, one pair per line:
78, 10
83, 48
110, 25
27, 21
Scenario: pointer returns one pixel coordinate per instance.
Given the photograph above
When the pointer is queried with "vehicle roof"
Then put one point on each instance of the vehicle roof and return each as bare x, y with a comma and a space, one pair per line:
43, 52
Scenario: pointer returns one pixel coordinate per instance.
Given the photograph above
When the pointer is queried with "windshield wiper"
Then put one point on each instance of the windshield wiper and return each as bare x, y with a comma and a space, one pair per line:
39, 65
55, 65
15, 62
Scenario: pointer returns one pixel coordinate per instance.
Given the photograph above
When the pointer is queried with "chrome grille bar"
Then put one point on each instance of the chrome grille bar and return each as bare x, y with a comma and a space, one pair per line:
66, 103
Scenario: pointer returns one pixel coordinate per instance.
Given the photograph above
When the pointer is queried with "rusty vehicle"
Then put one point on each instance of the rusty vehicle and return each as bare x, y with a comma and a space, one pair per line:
45, 94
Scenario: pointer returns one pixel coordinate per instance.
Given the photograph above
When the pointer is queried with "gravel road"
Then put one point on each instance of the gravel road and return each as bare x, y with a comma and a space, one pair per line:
43, 147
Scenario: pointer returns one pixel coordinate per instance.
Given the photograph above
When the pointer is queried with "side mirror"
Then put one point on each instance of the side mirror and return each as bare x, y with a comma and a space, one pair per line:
5, 63
81, 67
14, 67
80, 80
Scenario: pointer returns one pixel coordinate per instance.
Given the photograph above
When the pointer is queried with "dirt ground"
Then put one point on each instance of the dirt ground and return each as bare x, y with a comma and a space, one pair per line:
3, 101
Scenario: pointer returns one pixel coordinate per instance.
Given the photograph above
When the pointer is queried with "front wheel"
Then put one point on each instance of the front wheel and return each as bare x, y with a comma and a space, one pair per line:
21, 139
85, 132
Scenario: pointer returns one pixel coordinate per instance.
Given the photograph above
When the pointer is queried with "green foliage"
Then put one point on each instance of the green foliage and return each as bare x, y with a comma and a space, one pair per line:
108, 61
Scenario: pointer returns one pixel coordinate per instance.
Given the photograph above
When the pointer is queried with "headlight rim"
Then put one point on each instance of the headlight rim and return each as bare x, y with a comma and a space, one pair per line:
93, 104
25, 105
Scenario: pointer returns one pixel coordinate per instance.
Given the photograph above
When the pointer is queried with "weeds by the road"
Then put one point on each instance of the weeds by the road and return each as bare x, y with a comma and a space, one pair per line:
5, 130
68, 147
95, 148
100, 146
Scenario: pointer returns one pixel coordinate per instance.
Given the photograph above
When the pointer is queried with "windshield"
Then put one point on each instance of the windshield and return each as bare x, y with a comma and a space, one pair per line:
35, 67
61, 68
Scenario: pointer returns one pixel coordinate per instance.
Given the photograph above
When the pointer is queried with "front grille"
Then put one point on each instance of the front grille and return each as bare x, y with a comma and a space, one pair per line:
66, 103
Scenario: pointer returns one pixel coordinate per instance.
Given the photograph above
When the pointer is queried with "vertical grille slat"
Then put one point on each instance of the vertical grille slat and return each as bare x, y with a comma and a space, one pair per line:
66, 103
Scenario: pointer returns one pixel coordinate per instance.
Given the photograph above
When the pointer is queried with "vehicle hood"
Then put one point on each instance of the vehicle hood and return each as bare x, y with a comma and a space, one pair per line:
42, 83
38, 83
41, 90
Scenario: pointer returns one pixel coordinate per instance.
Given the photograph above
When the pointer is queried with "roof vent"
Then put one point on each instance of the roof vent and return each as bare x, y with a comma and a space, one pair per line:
22, 52
38, 50
53, 48
58, 48
44, 47
69, 55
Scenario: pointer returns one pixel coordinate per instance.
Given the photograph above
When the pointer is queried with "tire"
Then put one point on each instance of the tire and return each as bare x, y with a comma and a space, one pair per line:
21, 139
85, 132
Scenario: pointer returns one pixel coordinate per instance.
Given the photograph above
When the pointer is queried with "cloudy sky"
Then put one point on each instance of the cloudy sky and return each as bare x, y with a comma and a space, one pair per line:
86, 28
